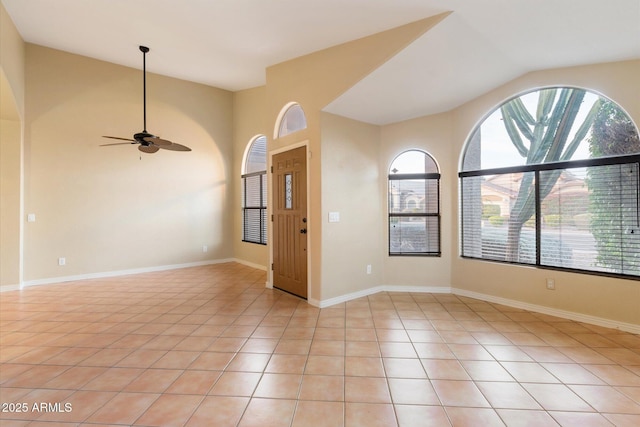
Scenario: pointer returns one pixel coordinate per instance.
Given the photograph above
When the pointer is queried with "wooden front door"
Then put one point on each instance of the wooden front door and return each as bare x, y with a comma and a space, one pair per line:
290, 221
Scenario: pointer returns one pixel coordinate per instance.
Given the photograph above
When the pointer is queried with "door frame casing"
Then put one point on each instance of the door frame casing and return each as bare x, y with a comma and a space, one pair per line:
310, 223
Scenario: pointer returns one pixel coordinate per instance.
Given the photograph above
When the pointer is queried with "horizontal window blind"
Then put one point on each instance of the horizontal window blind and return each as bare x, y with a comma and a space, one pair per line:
414, 235
414, 214
489, 217
585, 217
254, 207
613, 220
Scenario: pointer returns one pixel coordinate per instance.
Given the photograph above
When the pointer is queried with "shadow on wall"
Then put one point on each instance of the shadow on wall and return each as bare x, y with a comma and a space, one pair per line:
10, 172
115, 208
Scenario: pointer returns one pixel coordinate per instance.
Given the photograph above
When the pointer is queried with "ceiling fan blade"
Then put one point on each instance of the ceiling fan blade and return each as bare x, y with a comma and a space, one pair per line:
148, 148
117, 143
175, 147
117, 137
157, 141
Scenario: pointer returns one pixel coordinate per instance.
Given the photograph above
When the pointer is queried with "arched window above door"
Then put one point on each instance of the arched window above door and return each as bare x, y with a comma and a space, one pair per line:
292, 120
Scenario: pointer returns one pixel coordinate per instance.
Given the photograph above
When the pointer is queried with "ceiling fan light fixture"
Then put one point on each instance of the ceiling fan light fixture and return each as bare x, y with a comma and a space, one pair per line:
148, 148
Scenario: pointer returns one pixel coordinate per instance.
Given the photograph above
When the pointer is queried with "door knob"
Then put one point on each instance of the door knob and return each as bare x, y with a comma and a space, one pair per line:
303, 231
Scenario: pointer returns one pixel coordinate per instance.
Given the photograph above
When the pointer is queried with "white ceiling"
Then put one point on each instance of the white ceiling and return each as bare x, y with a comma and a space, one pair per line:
229, 43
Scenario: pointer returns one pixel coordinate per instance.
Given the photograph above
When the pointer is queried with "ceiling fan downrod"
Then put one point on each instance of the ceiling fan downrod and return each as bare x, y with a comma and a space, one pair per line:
144, 51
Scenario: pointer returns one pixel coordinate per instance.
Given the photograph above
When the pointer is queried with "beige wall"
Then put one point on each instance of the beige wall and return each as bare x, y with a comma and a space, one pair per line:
355, 164
344, 256
12, 63
350, 179
113, 208
12, 59
443, 136
249, 121
10, 131
314, 81
609, 298
433, 135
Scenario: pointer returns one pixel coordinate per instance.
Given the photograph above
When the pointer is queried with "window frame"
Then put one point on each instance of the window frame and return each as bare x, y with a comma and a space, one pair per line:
428, 176
262, 191
536, 169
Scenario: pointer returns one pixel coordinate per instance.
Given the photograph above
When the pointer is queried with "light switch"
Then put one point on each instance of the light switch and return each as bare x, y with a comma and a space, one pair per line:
334, 216
31, 217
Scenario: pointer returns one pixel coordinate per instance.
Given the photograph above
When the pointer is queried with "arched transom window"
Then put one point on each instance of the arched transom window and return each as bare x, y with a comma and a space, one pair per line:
551, 178
414, 205
292, 120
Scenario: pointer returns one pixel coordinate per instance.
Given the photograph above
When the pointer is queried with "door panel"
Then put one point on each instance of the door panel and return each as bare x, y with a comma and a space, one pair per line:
290, 221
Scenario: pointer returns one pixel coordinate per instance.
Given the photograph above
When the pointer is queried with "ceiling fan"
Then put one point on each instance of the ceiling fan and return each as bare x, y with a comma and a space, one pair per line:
148, 143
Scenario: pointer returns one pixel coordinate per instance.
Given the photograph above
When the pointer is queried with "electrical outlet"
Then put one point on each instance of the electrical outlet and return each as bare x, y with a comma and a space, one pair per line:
62, 261
205, 248
551, 284
368, 268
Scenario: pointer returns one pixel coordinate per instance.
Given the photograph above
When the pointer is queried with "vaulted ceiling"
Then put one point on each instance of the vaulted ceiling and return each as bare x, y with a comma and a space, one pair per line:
229, 43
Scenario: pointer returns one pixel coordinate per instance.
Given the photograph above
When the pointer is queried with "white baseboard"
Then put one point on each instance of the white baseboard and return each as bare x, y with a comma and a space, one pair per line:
6, 288
267, 284
385, 288
344, 298
419, 289
251, 264
116, 273
570, 315
579, 317
564, 314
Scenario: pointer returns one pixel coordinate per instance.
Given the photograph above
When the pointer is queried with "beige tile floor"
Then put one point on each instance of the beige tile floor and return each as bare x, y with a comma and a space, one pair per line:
210, 346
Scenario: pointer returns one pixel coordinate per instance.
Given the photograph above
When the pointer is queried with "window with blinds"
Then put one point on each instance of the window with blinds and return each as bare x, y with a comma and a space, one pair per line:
552, 179
414, 205
254, 192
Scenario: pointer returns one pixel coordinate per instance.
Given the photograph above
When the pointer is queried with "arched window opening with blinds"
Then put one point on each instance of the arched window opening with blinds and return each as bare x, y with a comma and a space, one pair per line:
254, 192
414, 205
551, 178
